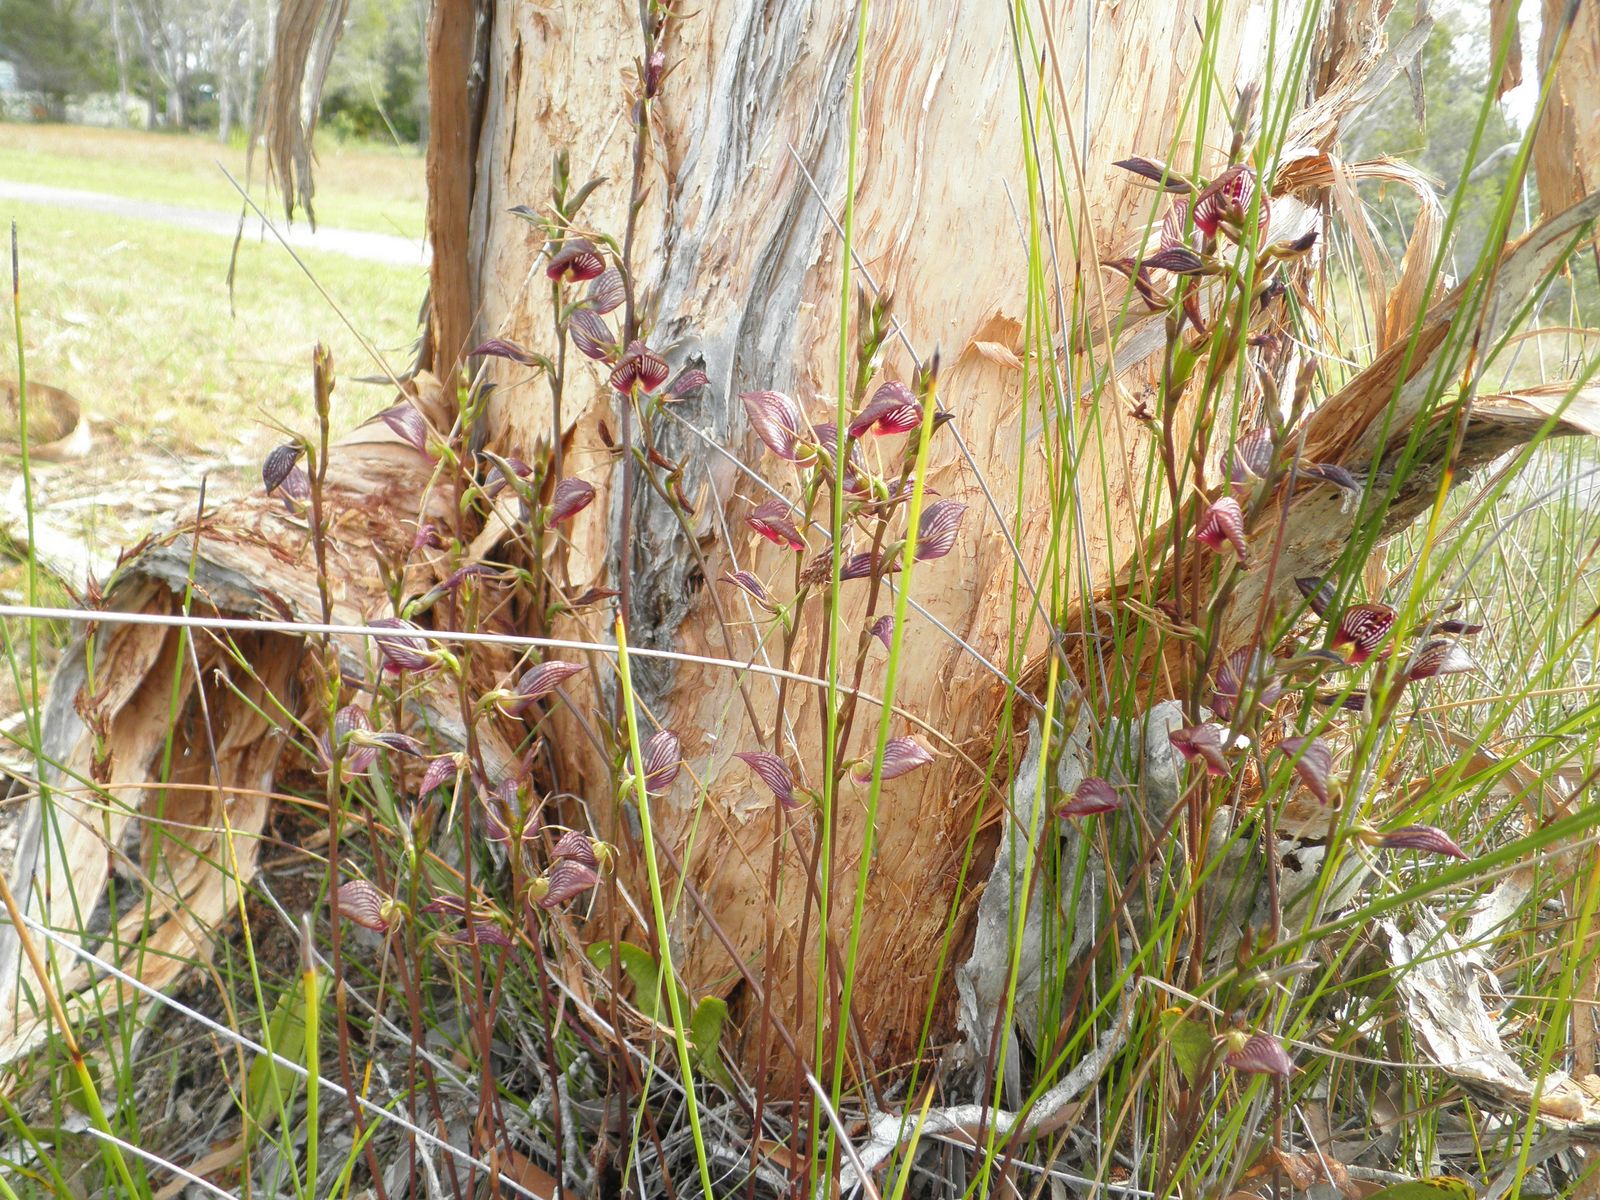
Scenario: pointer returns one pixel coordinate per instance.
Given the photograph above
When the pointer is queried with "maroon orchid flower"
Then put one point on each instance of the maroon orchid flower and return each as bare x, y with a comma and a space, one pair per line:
640, 367
1200, 743
771, 521
1245, 673
773, 772
536, 683
440, 771
747, 583
937, 530
349, 723
576, 261
1362, 629
1355, 701
1228, 197
1093, 797
892, 409
1224, 522
570, 497
1260, 1055
777, 421
1313, 763
1440, 657
499, 806
662, 756
900, 755
359, 901
401, 653
1429, 839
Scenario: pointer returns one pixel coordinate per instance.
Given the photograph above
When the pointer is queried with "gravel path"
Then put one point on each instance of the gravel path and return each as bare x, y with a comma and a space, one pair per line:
374, 247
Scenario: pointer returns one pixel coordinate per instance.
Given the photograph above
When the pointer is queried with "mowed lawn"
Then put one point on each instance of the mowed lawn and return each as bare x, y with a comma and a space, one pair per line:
371, 188
135, 317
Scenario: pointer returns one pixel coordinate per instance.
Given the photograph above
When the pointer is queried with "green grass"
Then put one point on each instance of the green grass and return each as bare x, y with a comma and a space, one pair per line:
132, 318
358, 187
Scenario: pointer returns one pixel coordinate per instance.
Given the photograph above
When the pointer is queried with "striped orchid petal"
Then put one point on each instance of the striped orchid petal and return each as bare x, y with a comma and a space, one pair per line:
773, 772
1180, 260
901, 755
747, 583
883, 630
1362, 629
1261, 1055
406, 423
1429, 839
662, 756
389, 739
538, 682
1313, 763
1201, 743
1156, 172
1093, 796
401, 653
777, 421
567, 879
440, 771
1355, 701
1440, 657
937, 530
1252, 455
1223, 523
569, 498
577, 846
771, 520
1172, 226
687, 383
485, 933
592, 336
359, 901
1319, 592
279, 464
606, 292
503, 348
864, 565
349, 723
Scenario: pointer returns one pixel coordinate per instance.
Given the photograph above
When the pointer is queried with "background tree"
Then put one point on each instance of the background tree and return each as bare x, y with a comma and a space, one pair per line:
57, 48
